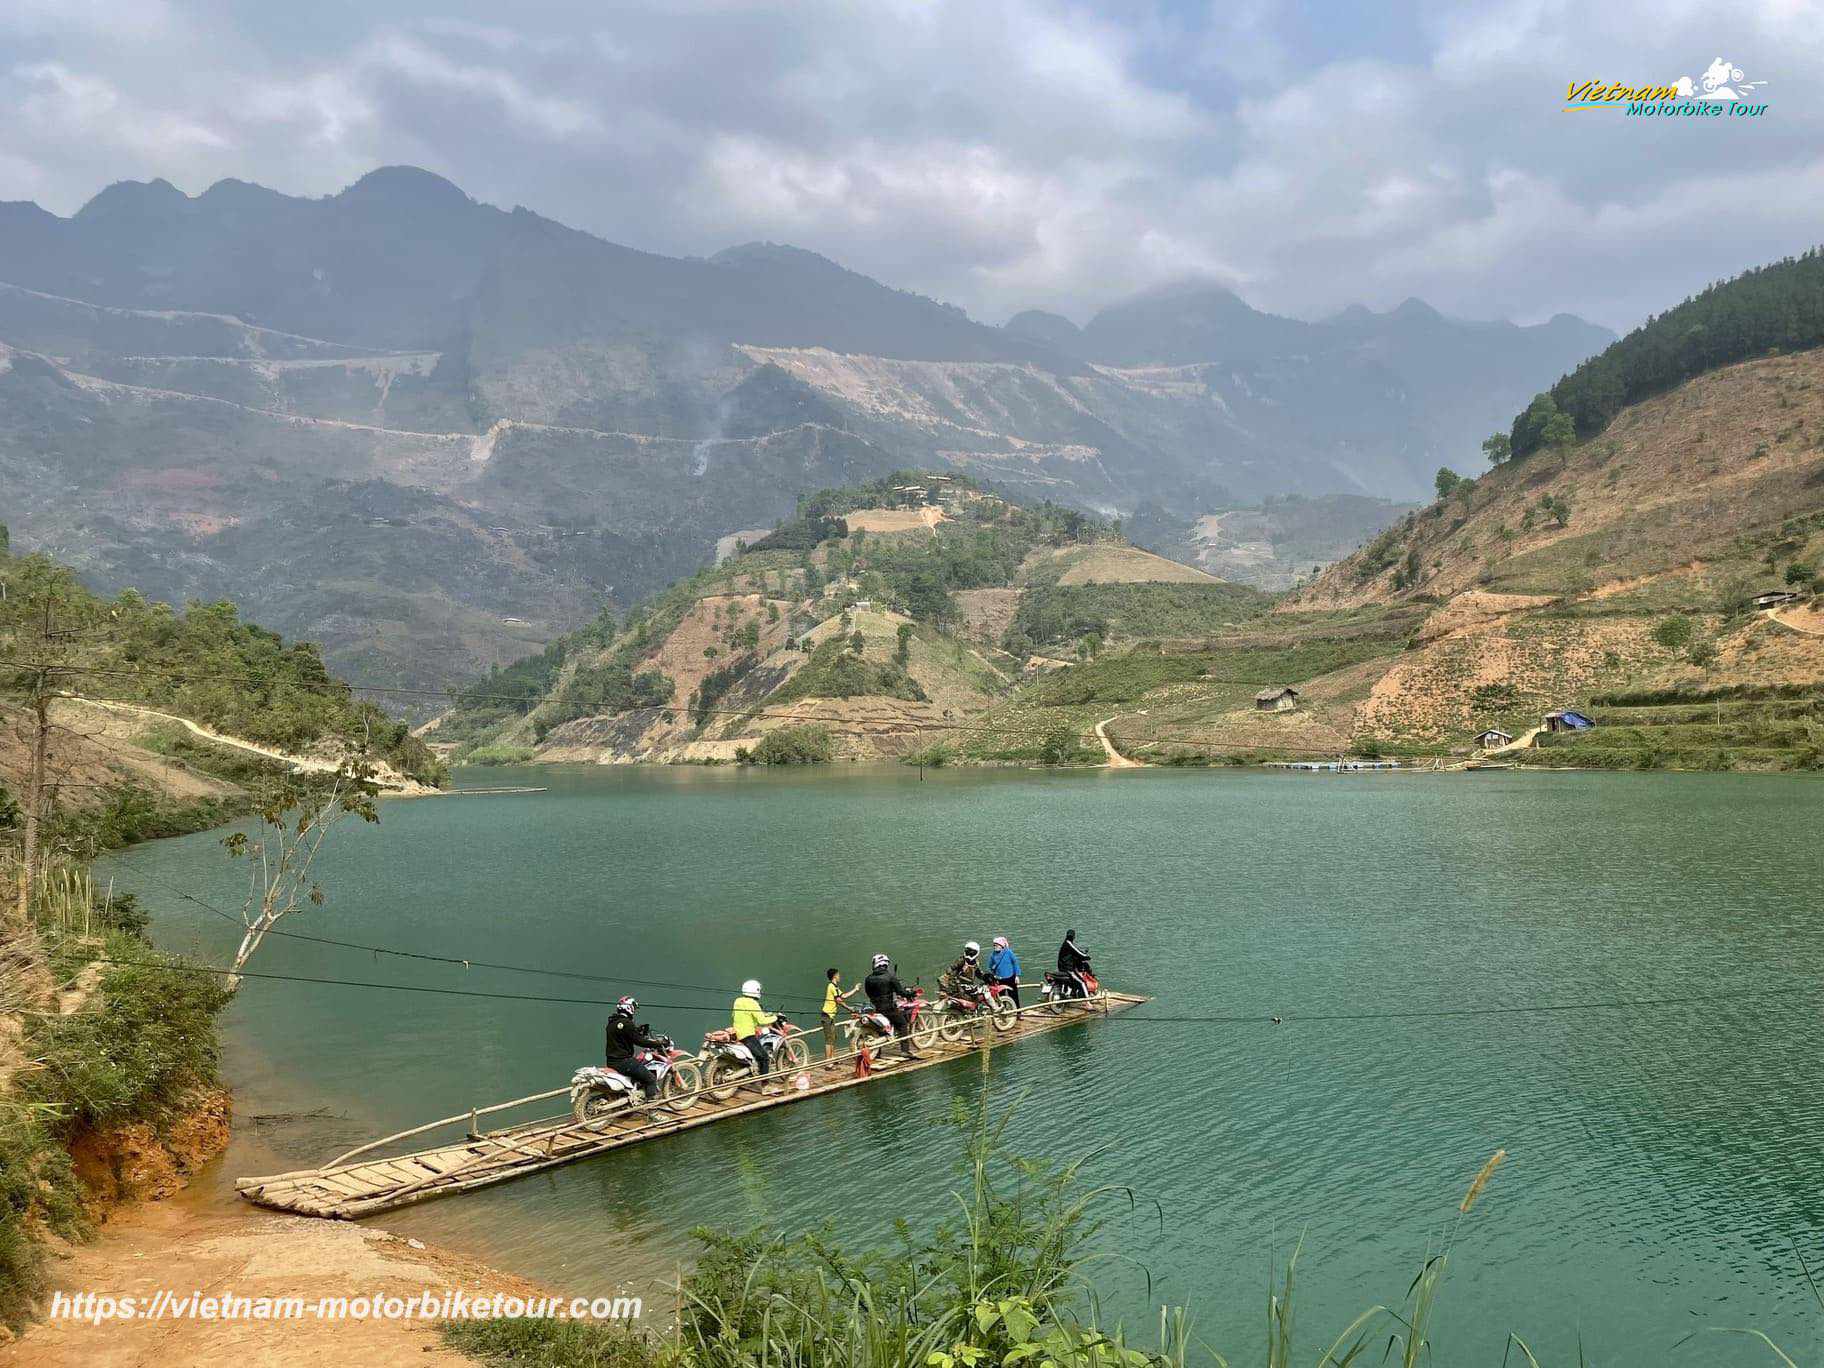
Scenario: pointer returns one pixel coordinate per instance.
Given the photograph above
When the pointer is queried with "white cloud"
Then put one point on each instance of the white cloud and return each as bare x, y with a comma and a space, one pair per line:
1003, 153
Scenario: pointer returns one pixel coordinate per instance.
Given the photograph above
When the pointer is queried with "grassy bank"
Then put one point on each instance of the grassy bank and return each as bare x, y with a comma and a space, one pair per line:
1004, 1282
1763, 730
141, 1046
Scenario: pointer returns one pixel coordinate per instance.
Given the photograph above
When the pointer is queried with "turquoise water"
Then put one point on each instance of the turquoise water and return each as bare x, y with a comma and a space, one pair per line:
1663, 1163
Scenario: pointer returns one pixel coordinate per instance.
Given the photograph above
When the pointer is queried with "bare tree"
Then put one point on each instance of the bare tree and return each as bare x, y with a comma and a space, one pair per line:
296, 815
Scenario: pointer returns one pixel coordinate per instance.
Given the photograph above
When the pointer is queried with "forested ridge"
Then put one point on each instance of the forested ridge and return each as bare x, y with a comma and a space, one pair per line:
1778, 307
202, 662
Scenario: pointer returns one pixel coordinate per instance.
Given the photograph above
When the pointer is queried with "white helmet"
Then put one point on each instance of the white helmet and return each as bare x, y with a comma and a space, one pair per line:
751, 988
971, 949
881, 961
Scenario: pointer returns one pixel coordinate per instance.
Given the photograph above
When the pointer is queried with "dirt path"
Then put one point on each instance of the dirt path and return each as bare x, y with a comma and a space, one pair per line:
1773, 615
1523, 742
163, 1246
1116, 760
386, 778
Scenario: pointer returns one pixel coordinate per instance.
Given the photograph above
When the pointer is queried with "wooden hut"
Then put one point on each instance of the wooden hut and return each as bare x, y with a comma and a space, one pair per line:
1276, 700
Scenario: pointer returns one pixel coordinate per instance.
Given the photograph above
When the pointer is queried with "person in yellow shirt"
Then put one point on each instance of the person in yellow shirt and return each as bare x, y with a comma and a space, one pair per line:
749, 1020
833, 994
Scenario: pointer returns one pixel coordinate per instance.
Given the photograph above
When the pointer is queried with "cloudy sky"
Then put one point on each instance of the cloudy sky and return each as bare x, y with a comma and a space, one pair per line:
998, 153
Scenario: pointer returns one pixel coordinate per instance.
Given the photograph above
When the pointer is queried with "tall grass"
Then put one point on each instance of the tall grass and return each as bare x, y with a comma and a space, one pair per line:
1002, 1284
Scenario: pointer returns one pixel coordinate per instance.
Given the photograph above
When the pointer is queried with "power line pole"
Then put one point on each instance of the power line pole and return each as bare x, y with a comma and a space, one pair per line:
28, 863
39, 694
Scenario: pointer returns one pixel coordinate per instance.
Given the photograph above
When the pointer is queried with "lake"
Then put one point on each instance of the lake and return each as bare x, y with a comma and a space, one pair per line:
1664, 1164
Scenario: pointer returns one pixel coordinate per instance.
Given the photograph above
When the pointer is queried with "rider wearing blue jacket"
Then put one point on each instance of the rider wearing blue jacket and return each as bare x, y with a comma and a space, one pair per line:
1004, 967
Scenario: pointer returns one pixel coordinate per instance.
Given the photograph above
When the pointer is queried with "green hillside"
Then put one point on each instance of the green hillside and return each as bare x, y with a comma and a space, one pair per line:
1774, 308
202, 662
863, 612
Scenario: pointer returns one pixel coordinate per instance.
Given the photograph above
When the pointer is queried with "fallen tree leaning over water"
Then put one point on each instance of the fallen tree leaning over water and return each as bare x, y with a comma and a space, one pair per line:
296, 814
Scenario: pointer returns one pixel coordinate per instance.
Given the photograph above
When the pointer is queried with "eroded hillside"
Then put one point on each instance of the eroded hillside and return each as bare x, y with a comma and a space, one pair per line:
884, 616
1625, 563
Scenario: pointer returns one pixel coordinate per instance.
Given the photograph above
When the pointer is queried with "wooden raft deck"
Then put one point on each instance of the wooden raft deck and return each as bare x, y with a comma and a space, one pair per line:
348, 1187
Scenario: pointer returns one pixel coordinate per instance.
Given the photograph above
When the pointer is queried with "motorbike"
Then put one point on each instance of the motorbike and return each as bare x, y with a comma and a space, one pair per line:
599, 1091
1059, 989
960, 1010
872, 1029
727, 1063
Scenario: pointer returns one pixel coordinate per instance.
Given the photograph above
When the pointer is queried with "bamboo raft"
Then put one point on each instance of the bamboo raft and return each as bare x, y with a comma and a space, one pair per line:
350, 1185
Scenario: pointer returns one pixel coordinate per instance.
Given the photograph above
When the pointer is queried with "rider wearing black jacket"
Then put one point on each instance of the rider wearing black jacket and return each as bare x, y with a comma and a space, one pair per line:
623, 1041
1072, 961
966, 972
884, 991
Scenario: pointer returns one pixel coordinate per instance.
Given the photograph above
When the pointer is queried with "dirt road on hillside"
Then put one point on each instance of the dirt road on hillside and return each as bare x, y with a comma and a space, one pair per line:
386, 778
1523, 742
1786, 621
1116, 760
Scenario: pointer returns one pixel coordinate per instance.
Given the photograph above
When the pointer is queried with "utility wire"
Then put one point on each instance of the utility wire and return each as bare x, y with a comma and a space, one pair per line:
1611, 1004
393, 987
852, 726
448, 959
449, 692
1257, 1019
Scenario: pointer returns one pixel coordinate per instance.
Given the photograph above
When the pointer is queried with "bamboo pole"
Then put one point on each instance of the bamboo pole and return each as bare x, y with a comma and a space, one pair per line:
647, 1122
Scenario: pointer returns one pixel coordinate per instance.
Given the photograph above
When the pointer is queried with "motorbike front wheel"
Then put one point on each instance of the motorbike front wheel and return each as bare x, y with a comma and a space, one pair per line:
924, 1033
1003, 1013
791, 1056
1052, 1002
951, 1026
680, 1091
722, 1077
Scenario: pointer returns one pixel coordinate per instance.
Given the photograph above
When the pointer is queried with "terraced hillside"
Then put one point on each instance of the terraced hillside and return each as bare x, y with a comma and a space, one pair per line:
1624, 564
883, 641
1617, 575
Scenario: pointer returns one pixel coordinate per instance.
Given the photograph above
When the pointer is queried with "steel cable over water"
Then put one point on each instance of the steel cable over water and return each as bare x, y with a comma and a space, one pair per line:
1255, 1018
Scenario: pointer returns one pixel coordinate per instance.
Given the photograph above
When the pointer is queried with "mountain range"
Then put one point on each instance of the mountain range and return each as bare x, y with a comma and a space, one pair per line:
434, 434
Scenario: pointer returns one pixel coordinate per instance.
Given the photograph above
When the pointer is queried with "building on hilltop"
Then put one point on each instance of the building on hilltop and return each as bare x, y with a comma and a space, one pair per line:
1276, 700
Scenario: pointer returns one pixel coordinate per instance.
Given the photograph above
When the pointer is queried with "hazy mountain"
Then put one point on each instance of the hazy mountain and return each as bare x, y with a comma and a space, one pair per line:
194, 380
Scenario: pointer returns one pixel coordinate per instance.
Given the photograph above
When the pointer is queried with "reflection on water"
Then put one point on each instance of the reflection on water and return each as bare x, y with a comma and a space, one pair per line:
1663, 1163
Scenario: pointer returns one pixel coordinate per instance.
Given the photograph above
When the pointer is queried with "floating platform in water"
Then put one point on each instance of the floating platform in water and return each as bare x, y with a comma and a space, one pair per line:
1333, 766
350, 1186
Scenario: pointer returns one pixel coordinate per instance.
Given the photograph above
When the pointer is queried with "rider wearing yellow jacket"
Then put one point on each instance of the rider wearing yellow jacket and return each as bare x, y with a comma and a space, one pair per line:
748, 1020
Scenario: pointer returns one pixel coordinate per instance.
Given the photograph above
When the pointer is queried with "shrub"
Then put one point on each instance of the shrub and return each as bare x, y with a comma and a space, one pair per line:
499, 753
808, 745
834, 672
152, 1037
1673, 632
934, 756
1059, 744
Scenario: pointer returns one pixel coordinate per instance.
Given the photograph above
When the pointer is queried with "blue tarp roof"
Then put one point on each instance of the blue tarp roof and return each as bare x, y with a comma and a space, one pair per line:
1575, 719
